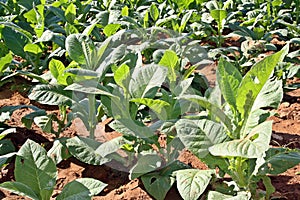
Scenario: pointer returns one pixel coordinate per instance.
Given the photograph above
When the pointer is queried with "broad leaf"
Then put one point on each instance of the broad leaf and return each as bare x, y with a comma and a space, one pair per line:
28, 74
111, 29
84, 150
254, 146
44, 122
160, 107
82, 188
170, 60
59, 150
33, 48
122, 77
159, 183
75, 44
270, 96
5, 61
83, 74
15, 41
8, 110
278, 160
145, 78
145, 164
70, 13
51, 95
139, 129
35, 169
229, 79
254, 81
213, 195
4, 158
182, 4
28, 119
219, 15
183, 87
88, 87
214, 109
111, 146
57, 69
199, 135
20, 189
154, 12
6, 146
191, 183
17, 29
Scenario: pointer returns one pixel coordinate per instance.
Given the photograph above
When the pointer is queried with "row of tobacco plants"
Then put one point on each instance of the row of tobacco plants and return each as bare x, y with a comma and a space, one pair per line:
136, 62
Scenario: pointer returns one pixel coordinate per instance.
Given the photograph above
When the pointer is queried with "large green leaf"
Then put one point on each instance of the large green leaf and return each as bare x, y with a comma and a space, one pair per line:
28, 74
199, 135
145, 78
219, 15
84, 149
145, 164
28, 119
20, 189
88, 87
254, 81
76, 45
111, 146
59, 150
160, 107
170, 60
70, 13
4, 158
111, 29
191, 183
214, 109
229, 79
33, 49
122, 77
44, 122
6, 146
15, 41
159, 183
17, 29
182, 4
183, 87
213, 195
35, 169
270, 96
254, 146
36, 16
82, 188
154, 12
278, 160
51, 95
57, 69
28, 4
139, 129
5, 61
7, 111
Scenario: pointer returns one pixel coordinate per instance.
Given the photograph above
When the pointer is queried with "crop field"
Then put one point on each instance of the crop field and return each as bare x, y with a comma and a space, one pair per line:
150, 99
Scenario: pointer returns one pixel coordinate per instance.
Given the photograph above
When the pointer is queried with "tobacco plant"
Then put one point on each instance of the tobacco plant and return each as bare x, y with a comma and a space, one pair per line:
235, 136
36, 174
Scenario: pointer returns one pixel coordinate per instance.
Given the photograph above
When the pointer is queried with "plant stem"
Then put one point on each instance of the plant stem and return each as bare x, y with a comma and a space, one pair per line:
239, 169
92, 115
219, 35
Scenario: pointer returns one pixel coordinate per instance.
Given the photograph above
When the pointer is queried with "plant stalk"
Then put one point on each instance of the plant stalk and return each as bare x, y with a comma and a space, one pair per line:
92, 115
240, 174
